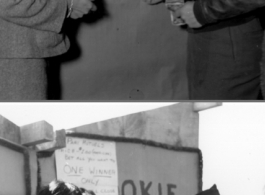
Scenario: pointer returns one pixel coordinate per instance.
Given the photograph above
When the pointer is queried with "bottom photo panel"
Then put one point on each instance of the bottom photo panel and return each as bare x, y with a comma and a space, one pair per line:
140, 148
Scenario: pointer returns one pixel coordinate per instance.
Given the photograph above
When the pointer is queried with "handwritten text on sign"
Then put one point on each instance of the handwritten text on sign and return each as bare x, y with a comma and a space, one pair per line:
91, 164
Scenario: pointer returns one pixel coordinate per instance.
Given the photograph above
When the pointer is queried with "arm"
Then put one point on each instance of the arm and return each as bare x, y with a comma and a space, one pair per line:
47, 15
201, 12
209, 11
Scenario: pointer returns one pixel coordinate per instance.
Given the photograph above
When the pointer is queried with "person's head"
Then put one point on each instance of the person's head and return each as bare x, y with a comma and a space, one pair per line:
87, 192
57, 187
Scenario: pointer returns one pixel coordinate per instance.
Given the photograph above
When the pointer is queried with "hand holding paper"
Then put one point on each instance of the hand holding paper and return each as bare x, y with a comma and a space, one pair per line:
78, 8
173, 6
186, 13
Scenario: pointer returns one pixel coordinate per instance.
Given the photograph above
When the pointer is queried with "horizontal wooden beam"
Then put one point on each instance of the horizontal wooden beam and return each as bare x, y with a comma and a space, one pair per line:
36, 133
200, 106
58, 142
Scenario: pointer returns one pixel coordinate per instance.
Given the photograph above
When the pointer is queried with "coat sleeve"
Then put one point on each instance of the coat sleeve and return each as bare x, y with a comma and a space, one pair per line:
46, 15
209, 11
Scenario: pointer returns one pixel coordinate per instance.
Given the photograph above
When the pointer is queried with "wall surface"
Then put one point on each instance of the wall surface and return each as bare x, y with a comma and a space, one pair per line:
133, 167
175, 125
233, 148
127, 50
12, 172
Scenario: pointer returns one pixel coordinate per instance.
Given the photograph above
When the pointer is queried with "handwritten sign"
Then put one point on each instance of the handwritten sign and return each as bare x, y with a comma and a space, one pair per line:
91, 164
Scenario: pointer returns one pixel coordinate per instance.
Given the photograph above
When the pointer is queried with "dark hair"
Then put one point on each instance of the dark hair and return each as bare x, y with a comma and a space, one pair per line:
87, 192
58, 187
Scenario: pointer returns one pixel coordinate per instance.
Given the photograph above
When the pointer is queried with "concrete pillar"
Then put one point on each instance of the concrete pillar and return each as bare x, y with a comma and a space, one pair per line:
36, 133
9, 131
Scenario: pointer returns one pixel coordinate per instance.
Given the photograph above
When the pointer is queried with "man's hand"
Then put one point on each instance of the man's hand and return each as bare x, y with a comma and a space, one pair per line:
80, 8
186, 13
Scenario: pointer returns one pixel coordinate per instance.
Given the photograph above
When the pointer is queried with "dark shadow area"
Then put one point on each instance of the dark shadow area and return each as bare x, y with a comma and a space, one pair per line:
70, 29
262, 20
212, 191
54, 89
261, 16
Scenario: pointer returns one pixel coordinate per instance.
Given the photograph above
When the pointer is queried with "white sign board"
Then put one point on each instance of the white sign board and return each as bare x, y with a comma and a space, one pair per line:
91, 164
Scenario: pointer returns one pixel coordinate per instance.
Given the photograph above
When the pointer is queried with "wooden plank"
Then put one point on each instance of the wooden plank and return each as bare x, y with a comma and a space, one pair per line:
33, 166
162, 168
200, 106
57, 143
14, 167
36, 133
47, 168
9, 131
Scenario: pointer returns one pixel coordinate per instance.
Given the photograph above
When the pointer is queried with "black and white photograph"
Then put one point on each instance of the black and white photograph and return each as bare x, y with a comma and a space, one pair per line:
131, 50
132, 97
180, 148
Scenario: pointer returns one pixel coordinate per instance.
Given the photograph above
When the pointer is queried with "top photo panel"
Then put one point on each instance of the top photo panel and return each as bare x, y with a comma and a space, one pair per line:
132, 50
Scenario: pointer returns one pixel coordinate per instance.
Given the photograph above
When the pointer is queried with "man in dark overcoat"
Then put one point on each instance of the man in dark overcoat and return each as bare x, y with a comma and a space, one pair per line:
225, 48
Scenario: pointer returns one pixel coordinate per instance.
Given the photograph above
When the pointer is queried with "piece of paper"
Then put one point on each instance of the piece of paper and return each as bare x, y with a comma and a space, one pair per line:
173, 6
91, 164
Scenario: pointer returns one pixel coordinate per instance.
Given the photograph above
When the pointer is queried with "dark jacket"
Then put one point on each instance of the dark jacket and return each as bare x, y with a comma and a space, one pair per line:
210, 11
32, 28
212, 191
